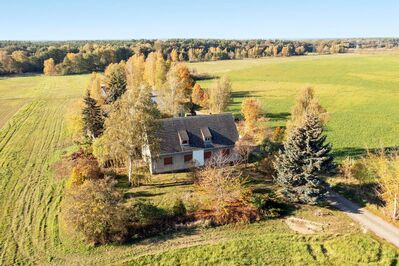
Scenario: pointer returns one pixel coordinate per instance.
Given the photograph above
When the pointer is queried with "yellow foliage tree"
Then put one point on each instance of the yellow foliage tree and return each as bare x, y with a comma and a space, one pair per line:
49, 67
135, 71
174, 56
251, 109
95, 88
306, 103
150, 70
219, 95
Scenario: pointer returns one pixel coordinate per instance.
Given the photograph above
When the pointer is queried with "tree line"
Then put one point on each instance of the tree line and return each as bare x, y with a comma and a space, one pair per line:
74, 57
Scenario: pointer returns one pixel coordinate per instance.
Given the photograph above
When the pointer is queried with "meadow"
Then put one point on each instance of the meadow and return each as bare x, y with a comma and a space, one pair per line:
34, 136
360, 92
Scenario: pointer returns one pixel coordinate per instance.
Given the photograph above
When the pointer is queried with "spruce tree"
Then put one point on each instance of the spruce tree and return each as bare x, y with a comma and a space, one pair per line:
115, 76
93, 122
304, 157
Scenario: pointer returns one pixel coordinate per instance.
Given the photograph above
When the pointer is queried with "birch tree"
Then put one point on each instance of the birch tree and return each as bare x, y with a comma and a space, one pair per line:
219, 95
130, 128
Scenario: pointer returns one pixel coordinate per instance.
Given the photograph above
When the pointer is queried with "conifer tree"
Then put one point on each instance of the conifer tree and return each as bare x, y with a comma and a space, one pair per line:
93, 122
115, 76
304, 157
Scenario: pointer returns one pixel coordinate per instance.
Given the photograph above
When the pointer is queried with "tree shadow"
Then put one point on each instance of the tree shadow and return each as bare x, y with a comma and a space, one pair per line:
341, 153
356, 152
283, 116
171, 184
361, 194
141, 194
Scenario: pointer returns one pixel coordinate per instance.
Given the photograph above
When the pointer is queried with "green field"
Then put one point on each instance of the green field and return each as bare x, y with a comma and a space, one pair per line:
361, 93
33, 136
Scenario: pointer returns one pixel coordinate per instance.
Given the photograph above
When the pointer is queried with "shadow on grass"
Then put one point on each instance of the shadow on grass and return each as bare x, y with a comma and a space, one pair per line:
171, 184
283, 116
340, 154
141, 194
362, 194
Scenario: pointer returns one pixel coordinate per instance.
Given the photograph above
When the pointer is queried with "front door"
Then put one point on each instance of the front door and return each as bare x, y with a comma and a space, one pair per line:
198, 157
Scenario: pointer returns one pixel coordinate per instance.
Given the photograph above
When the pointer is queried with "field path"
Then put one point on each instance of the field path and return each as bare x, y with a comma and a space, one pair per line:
370, 221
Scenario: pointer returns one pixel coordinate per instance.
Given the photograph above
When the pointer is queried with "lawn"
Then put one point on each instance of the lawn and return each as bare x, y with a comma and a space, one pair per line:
361, 93
33, 136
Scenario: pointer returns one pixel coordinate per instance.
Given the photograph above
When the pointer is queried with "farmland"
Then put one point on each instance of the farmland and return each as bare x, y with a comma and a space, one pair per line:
360, 92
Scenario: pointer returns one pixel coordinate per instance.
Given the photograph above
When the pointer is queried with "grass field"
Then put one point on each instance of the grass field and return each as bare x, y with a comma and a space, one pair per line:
361, 93
33, 137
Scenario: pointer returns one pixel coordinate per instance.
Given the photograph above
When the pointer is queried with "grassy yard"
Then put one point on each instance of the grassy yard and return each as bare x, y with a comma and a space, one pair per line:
361, 93
33, 137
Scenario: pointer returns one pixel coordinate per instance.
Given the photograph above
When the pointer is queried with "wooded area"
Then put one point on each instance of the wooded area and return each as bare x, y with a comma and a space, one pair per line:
73, 57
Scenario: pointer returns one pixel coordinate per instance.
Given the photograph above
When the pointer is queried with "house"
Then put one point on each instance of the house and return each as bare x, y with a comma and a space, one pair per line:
188, 141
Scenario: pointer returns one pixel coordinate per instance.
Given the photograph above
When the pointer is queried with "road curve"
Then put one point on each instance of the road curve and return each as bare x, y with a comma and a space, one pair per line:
370, 221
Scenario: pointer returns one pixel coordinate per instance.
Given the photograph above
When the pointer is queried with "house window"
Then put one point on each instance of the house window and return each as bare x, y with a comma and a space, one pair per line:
188, 157
184, 142
226, 152
168, 160
207, 154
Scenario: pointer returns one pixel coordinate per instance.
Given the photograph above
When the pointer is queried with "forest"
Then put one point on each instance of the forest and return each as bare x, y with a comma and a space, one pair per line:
77, 57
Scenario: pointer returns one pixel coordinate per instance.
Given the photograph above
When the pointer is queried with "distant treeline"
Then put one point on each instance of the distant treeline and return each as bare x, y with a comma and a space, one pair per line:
73, 57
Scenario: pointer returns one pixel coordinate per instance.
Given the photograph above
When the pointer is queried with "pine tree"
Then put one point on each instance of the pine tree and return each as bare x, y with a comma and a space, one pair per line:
93, 122
304, 157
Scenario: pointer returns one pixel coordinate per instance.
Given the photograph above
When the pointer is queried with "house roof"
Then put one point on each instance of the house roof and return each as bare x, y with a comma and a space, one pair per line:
221, 128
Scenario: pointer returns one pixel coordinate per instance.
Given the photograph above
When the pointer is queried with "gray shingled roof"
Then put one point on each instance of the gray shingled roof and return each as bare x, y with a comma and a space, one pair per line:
221, 126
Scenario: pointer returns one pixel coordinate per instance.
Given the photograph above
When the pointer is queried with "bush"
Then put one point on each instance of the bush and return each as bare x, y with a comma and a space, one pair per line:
95, 209
223, 194
85, 169
142, 213
266, 206
179, 209
346, 167
266, 166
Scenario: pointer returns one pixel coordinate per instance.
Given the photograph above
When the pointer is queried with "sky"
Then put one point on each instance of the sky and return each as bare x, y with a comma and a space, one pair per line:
156, 19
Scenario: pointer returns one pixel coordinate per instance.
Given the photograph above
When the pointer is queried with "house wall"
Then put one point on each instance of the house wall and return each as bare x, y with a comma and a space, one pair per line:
158, 166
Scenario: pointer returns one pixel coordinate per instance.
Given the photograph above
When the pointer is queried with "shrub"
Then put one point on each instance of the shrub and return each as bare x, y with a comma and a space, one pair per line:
95, 209
385, 168
224, 196
179, 209
347, 167
86, 168
266, 166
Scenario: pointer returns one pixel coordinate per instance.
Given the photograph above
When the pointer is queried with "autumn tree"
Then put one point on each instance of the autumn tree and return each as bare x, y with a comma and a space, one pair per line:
199, 96
219, 95
135, 71
251, 110
130, 127
96, 209
304, 157
49, 67
95, 88
175, 96
306, 103
93, 122
150, 70
115, 77
160, 71
174, 56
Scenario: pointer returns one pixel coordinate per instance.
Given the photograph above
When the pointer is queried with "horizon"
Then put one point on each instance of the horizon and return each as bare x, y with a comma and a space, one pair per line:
228, 20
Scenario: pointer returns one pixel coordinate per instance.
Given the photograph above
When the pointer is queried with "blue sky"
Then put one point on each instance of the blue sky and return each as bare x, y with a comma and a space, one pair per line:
123, 19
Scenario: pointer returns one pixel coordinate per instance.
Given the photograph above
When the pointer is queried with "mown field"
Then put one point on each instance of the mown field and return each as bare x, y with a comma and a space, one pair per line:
361, 93
33, 136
